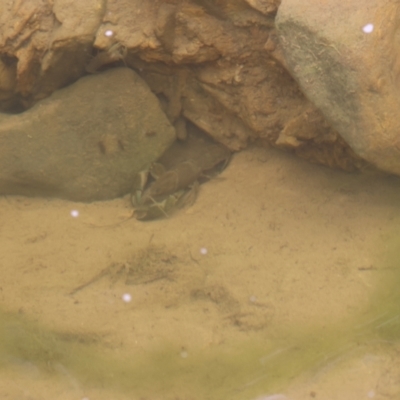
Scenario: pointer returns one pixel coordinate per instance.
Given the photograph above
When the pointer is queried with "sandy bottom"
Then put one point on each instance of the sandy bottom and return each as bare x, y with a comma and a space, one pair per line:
275, 257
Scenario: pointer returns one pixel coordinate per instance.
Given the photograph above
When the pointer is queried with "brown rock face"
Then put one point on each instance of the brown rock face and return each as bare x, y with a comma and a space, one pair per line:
344, 55
215, 63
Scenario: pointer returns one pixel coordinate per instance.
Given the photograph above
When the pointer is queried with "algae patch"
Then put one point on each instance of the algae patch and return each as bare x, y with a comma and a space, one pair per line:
265, 362
240, 370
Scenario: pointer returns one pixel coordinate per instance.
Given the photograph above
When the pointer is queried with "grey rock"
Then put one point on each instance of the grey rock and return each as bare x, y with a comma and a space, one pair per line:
345, 57
85, 142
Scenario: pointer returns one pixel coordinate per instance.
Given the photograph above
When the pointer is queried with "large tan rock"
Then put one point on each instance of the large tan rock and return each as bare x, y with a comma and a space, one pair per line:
85, 142
344, 55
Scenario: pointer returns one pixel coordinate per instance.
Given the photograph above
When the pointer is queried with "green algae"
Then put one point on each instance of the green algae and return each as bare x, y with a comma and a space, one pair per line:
239, 370
263, 363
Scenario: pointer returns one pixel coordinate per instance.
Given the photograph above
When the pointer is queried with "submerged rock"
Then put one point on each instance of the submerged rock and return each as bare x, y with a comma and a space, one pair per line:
85, 142
344, 56
216, 64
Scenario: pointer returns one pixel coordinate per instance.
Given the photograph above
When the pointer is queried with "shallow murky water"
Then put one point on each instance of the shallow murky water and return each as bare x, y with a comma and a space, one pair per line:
280, 279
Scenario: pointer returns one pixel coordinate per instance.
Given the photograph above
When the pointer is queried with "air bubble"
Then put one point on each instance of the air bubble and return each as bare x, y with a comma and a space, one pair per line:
74, 213
368, 28
126, 297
